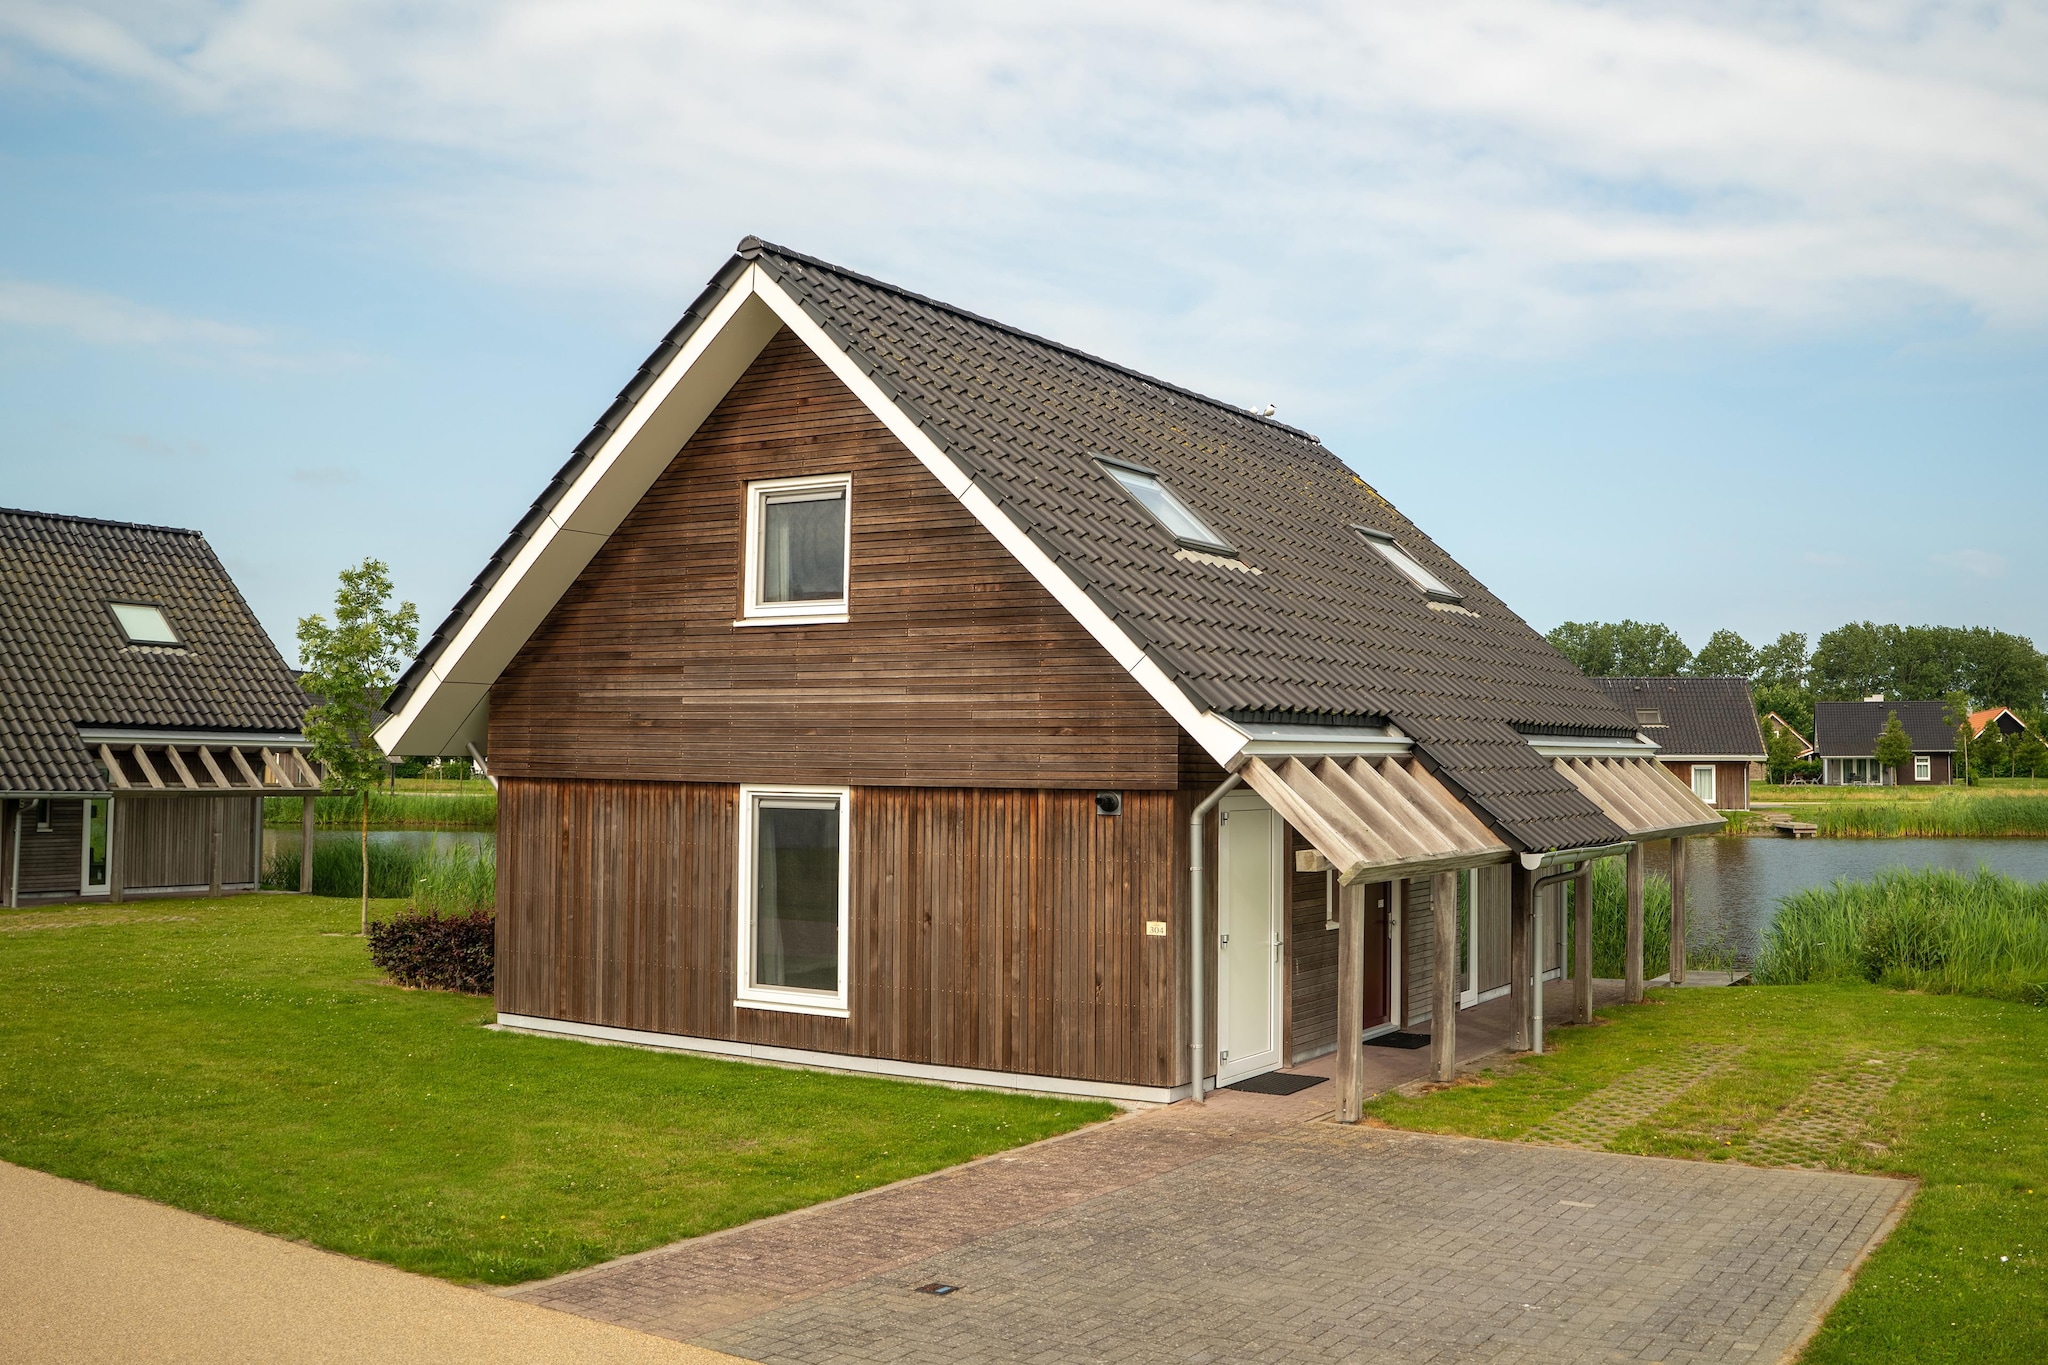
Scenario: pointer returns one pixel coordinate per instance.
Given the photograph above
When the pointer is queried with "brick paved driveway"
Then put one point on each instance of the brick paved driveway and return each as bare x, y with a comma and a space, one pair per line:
1316, 1242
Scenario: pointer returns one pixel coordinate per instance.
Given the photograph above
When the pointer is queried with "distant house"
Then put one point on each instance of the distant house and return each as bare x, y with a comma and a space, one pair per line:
1778, 722
1845, 737
1705, 729
2008, 724
144, 718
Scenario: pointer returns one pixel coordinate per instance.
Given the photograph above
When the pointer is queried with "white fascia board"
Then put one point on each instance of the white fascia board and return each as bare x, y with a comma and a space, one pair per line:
1572, 746
1223, 741
445, 710
1316, 741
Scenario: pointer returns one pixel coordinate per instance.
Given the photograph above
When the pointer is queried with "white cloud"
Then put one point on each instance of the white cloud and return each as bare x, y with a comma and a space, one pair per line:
1980, 563
1498, 176
104, 319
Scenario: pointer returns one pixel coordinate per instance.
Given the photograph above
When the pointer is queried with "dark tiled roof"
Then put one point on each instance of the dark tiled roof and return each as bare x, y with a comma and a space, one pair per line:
1849, 729
64, 662
1325, 627
1694, 717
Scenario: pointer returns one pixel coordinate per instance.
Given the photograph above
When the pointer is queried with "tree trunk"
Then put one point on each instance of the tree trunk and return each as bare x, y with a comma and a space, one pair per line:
365, 844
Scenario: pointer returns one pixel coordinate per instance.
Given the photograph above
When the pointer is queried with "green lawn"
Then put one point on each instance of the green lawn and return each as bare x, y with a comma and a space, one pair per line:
240, 1058
1965, 1277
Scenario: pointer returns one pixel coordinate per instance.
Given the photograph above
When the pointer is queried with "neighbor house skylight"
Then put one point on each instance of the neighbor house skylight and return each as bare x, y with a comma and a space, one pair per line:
143, 625
1166, 509
1406, 563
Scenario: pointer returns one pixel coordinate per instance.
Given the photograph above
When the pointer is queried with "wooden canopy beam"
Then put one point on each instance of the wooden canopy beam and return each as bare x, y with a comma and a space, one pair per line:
120, 778
148, 769
242, 765
178, 766
220, 779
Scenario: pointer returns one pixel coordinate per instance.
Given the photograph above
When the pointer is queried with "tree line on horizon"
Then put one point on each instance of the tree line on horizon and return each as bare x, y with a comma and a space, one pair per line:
1975, 665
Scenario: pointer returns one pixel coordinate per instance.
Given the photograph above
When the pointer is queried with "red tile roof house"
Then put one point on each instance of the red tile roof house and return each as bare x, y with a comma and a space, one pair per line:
1705, 730
2008, 723
1845, 737
882, 688
144, 718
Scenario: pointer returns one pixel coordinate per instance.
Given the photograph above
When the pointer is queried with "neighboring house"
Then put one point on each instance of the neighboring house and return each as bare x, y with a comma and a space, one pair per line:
2002, 716
1778, 722
854, 689
145, 715
1845, 739
1705, 731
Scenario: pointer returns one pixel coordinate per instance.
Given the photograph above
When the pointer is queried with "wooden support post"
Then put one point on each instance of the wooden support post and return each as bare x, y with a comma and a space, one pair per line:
1678, 912
1634, 967
1520, 913
1582, 944
1443, 1010
115, 870
212, 845
1350, 1002
305, 845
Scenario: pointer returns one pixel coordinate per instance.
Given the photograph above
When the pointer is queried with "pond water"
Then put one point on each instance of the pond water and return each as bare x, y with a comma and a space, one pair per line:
424, 839
1734, 884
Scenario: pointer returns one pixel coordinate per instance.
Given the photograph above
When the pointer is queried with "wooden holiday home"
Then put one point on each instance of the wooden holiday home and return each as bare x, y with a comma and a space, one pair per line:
884, 688
1705, 730
144, 716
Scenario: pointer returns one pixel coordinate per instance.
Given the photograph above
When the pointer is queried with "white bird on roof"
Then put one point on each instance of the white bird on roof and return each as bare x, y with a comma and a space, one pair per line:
1266, 411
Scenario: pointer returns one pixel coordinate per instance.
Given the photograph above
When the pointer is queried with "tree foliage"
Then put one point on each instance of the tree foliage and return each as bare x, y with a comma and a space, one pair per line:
1894, 746
1724, 655
350, 665
1622, 649
1781, 751
1993, 667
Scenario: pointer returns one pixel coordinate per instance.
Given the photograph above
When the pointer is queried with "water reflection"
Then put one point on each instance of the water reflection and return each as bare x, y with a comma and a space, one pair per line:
425, 839
1736, 883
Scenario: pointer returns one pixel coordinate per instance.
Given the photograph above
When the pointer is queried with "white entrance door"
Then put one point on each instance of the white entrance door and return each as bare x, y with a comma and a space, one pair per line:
1249, 927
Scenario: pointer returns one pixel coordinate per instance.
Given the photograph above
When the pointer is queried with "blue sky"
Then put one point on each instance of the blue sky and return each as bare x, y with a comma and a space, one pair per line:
1720, 316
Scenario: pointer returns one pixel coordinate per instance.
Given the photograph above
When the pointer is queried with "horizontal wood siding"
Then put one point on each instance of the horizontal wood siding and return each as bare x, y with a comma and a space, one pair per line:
1001, 929
52, 859
956, 667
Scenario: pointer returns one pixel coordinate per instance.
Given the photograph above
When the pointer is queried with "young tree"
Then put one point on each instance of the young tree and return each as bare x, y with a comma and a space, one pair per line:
1957, 713
1724, 655
2029, 755
350, 666
1989, 751
1781, 751
1894, 747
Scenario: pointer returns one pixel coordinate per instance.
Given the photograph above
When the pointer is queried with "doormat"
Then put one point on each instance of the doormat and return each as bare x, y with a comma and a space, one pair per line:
1276, 1083
1399, 1040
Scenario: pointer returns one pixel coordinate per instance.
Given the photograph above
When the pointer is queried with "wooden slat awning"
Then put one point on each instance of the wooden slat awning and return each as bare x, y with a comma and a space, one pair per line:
1642, 796
1374, 818
207, 770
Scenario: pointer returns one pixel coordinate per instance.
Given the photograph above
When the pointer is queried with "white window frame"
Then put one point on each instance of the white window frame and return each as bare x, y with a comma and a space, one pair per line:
789, 1000
755, 612
87, 886
1923, 767
1407, 565
1713, 791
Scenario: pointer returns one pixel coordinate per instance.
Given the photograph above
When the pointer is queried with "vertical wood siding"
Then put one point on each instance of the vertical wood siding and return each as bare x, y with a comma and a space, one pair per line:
1495, 890
1315, 962
166, 841
1418, 932
956, 668
993, 928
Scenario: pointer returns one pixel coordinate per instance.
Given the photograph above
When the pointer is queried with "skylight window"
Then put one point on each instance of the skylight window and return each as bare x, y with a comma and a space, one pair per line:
1407, 564
143, 625
1166, 509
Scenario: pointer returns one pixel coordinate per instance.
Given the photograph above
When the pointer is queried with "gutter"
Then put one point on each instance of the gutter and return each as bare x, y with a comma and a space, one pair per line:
1196, 865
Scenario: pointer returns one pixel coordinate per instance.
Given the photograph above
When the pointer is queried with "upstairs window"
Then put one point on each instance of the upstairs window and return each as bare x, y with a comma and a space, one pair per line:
1422, 578
1146, 489
143, 625
797, 549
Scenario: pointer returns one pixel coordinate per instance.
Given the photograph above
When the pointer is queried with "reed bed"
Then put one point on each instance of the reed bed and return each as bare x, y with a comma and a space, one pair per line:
1916, 929
1610, 927
405, 810
440, 881
1950, 816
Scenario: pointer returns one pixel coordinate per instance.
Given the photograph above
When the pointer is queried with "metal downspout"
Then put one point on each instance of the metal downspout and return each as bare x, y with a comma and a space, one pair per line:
1196, 865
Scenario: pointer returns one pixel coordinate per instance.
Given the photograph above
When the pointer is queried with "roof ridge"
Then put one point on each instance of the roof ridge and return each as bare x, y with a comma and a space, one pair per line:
100, 521
750, 246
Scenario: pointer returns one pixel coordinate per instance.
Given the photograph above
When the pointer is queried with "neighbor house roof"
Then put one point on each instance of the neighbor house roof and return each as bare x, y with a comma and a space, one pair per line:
67, 662
1692, 717
2008, 723
1302, 620
1849, 729
1805, 744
